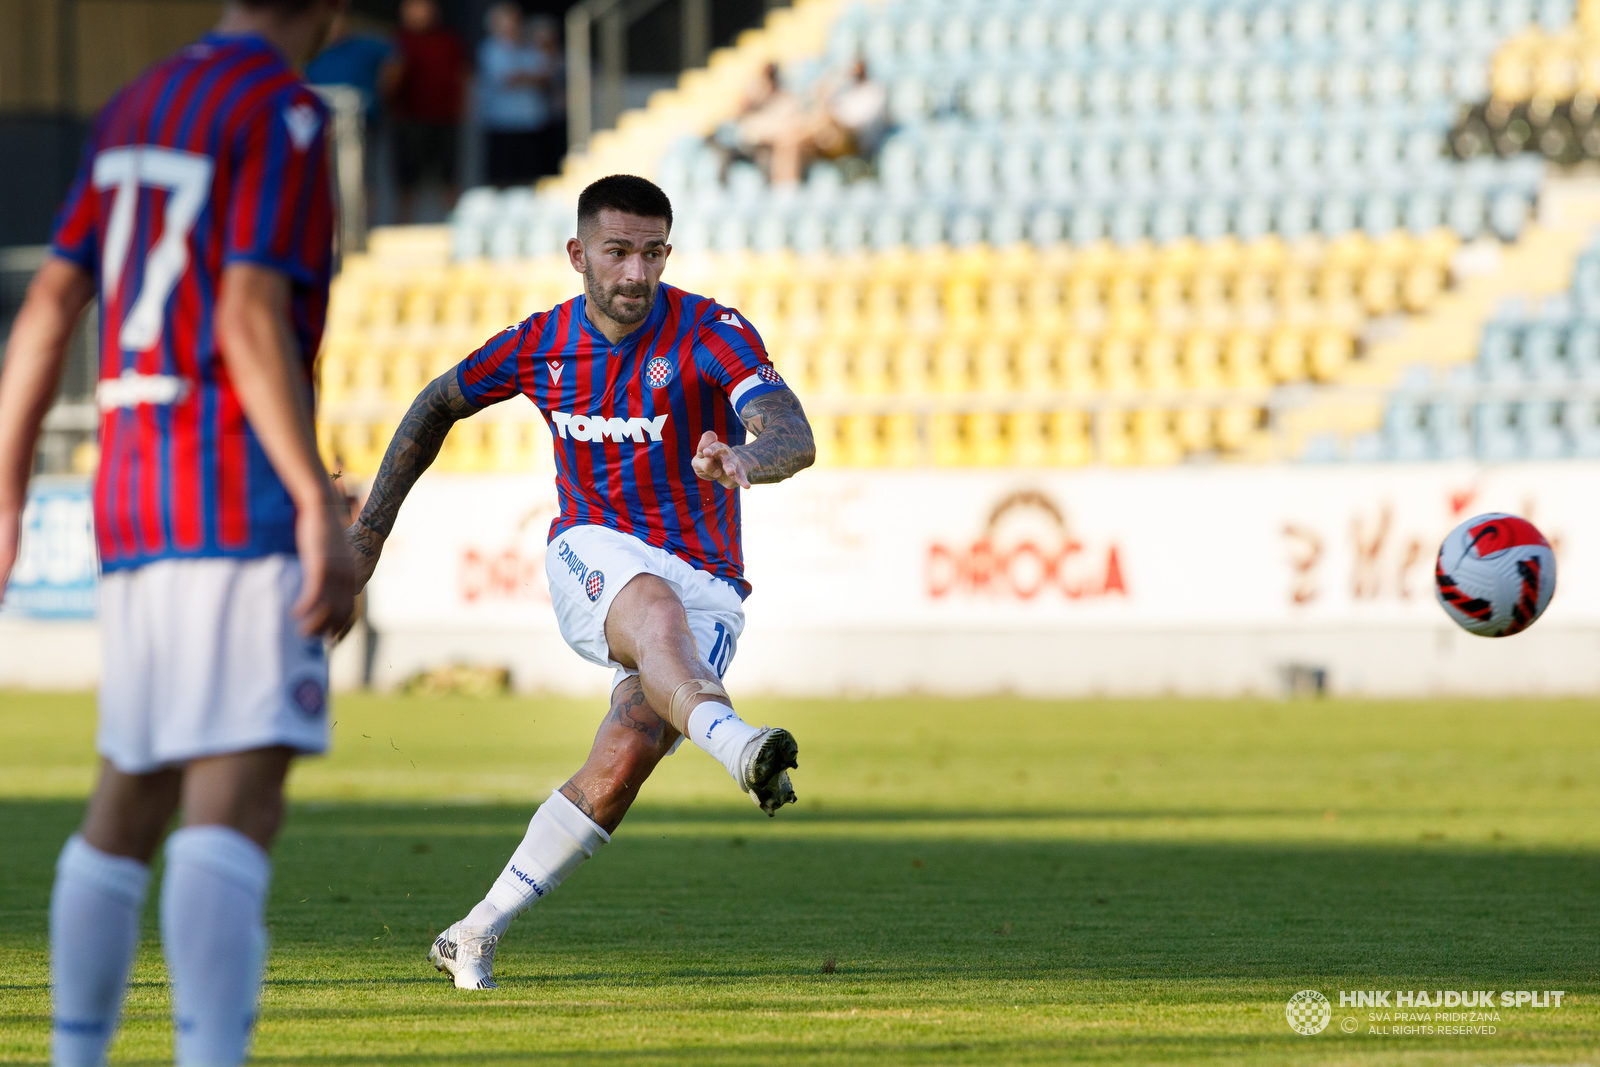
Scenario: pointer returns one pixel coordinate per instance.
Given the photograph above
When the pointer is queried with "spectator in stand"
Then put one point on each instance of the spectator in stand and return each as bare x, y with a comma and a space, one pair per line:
365, 62
845, 120
512, 104
544, 35
368, 64
427, 104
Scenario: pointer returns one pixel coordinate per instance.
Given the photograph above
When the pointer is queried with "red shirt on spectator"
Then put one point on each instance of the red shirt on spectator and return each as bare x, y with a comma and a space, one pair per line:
433, 77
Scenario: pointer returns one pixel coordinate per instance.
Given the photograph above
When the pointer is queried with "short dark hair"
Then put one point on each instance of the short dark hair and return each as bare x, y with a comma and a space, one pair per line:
627, 193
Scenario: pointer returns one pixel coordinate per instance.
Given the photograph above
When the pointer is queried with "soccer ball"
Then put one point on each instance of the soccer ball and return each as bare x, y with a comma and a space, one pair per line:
1496, 574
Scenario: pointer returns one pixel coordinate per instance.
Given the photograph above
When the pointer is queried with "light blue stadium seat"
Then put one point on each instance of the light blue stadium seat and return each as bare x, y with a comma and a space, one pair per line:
927, 228
1379, 215
1336, 216
1128, 223
1508, 214
1209, 220
1320, 448
1541, 355
1065, 94
1542, 434
1496, 432
1025, 96
1007, 226
1224, 90
1253, 218
1095, 170
1069, 32
1423, 212
1269, 26
1046, 227
1108, 31
1056, 170
1583, 350
1556, 15
1449, 430
1430, 20
1498, 359
1169, 221
1088, 225
1368, 448
1294, 217
976, 168
1464, 215
1188, 31
966, 229
1405, 431
1580, 417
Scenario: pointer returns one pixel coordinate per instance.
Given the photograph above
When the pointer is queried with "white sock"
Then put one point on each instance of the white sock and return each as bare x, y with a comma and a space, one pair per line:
212, 900
718, 729
94, 935
559, 838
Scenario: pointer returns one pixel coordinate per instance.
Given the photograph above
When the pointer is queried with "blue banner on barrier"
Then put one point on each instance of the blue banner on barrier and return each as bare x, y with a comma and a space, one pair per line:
57, 567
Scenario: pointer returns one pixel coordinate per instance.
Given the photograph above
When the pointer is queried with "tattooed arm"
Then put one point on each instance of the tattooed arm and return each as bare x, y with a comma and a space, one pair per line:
783, 444
437, 408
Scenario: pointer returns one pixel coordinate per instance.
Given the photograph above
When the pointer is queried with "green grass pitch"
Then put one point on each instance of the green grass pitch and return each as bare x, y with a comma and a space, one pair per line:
994, 881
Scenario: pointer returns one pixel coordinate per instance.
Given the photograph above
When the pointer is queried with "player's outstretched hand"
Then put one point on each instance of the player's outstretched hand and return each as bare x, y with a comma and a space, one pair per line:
714, 461
328, 573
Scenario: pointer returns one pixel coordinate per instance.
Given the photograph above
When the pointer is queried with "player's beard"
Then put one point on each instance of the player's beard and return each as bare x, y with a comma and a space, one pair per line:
606, 300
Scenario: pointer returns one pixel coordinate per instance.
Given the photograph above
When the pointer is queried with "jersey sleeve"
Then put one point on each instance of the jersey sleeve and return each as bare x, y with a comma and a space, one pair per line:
731, 354
74, 235
282, 212
489, 375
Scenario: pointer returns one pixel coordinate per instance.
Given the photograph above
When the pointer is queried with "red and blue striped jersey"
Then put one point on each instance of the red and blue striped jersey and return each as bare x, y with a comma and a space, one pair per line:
626, 419
217, 155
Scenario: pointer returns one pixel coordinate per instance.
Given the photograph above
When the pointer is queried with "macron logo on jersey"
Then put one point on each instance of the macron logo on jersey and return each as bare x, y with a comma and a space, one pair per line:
303, 122
598, 427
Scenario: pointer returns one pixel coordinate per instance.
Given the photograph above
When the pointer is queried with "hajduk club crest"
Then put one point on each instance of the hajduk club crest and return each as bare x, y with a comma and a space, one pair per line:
658, 372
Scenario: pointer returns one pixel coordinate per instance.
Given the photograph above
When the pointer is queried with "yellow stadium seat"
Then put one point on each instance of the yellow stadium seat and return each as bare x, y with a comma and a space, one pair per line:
1236, 425
1286, 356
1075, 364
1421, 285
791, 359
336, 373
1152, 434
1125, 299
963, 316
459, 308
1202, 361
872, 369
1244, 359
881, 310
842, 309
444, 358
1069, 438
1043, 307
992, 367
1035, 369
986, 439
860, 442
1165, 294
1158, 362
910, 368
408, 373
802, 317
1003, 312
1380, 289
383, 308
1331, 350
367, 381
952, 367
1112, 439
1028, 432
948, 441
825, 434
421, 306
901, 448
1118, 370
1193, 428
496, 310
924, 316
830, 362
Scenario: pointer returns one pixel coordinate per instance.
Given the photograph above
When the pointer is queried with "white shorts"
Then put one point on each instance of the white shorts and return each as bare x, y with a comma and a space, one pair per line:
203, 658
587, 567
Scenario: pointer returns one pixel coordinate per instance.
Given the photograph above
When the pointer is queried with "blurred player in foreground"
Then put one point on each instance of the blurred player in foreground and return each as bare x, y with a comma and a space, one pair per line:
203, 221
648, 392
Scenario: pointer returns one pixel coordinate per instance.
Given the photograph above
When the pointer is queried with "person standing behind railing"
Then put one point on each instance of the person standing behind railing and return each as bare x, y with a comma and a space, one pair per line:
512, 104
427, 104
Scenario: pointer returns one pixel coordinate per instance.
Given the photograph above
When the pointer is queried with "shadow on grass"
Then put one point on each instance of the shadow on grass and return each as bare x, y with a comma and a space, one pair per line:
371, 884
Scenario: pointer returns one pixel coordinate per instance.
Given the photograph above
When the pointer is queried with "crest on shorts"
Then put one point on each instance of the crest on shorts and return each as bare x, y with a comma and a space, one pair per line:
658, 372
310, 697
769, 374
595, 585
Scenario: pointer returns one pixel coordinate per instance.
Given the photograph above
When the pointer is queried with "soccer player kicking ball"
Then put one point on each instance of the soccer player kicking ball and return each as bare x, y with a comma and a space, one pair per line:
203, 221
640, 384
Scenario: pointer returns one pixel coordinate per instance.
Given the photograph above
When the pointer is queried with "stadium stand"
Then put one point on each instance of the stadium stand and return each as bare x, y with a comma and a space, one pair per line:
1133, 232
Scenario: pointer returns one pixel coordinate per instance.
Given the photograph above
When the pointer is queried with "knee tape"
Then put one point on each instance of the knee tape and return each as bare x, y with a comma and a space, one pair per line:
688, 691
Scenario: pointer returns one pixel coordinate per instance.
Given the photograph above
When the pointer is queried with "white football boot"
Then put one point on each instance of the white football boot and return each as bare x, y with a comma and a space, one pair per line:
766, 761
467, 954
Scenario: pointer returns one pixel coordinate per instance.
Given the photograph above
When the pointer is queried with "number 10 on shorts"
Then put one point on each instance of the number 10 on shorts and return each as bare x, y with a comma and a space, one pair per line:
721, 651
